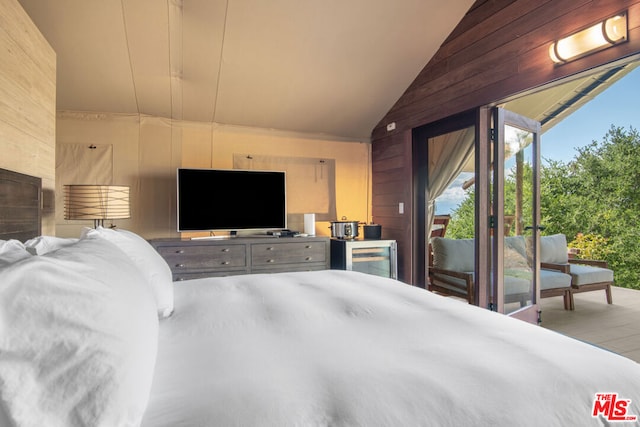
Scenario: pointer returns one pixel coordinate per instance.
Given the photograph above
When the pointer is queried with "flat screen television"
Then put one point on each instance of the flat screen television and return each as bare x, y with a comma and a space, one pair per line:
231, 199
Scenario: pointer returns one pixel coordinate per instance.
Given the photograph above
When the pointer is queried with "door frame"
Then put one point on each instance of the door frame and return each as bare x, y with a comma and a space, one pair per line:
500, 119
420, 157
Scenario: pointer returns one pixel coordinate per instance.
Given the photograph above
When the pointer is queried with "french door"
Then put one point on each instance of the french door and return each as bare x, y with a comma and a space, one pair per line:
514, 215
505, 166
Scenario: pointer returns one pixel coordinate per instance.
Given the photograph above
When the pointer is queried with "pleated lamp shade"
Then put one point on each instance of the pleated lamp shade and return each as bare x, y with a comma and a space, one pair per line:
96, 202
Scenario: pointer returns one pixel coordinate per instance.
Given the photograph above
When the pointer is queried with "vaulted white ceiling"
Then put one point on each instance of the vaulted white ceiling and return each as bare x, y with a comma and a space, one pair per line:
331, 67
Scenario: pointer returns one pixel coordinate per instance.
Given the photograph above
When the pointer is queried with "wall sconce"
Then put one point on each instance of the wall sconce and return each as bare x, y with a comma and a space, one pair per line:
605, 34
96, 202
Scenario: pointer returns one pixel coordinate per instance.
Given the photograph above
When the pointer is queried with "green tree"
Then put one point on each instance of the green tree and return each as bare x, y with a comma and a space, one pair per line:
462, 221
463, 217
598, 194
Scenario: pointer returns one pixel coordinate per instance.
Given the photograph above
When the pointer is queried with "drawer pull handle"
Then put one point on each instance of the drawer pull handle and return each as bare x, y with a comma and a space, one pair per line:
180, 279
180, 265
225, 263
225, 250
308, 258
308, 246
271, 260
180, 251
270, 248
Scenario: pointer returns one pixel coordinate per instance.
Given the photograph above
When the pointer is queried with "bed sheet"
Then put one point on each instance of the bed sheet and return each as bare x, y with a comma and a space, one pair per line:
336, 348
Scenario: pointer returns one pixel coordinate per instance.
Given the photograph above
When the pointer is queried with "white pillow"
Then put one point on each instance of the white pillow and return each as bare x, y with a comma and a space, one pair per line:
12, 251
78, 338
148, 260
44, 244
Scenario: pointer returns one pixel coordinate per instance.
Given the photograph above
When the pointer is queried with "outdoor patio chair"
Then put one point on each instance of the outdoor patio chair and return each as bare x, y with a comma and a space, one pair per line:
586, 275
438, 229
452, 272
451, 267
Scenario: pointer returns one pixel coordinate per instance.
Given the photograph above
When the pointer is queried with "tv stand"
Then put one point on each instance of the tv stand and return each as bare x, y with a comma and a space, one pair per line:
207, 257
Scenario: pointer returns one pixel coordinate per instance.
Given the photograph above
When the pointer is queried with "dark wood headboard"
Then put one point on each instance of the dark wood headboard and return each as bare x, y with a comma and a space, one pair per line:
20, 206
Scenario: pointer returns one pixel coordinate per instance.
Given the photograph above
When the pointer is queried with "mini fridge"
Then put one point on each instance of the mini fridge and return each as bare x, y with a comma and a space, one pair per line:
378, 257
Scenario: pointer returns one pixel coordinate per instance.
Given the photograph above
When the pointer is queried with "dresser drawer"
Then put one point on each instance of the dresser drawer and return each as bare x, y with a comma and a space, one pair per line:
179, 276
204, 257
265, 254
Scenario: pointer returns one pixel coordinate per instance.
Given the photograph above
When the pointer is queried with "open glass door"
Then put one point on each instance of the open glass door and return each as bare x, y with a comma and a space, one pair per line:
515, 216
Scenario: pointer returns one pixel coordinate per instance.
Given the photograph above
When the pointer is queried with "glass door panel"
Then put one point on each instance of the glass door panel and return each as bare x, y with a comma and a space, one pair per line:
517, 273
515, 206
372, 257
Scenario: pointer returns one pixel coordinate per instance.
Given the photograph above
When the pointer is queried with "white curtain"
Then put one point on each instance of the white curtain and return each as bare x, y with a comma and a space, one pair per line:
447, 154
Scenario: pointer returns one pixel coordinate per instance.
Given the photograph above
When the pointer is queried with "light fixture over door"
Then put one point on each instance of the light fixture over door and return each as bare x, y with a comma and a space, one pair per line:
605, 34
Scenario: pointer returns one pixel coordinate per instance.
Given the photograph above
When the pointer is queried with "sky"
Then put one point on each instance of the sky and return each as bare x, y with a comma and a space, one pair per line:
618, 105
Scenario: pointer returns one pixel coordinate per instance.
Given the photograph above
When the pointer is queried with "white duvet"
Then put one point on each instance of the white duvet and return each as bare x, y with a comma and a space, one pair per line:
336, 348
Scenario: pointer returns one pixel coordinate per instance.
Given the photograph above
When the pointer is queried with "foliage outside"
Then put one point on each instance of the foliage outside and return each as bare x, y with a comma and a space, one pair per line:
589, 246
593, 199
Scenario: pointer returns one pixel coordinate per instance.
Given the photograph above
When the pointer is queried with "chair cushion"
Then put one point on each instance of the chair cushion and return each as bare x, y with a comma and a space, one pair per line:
512, 285
553, 249
586, 274
458, 254
515, 253
516, 243
453, 254
516, 285
550, 279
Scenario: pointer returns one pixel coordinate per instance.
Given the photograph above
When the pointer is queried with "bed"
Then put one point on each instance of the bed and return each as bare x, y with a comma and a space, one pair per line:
94, 333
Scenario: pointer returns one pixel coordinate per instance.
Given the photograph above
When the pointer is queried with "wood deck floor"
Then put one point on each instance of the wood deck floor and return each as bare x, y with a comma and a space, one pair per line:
615, 327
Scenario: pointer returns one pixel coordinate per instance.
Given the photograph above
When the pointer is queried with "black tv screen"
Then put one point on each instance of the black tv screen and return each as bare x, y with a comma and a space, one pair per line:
231, 199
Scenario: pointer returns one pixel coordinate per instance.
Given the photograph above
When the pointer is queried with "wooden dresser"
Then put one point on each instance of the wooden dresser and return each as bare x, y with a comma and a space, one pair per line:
191, 259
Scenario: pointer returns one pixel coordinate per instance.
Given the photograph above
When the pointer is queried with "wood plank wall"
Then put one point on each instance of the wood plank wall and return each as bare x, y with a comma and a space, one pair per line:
390, 175
499, 49
27, 102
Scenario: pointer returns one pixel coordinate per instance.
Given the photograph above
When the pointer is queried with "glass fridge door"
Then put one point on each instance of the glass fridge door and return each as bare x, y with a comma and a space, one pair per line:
378, 258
